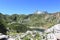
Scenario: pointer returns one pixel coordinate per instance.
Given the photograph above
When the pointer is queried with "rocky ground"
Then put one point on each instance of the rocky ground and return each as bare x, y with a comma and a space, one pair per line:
52, 33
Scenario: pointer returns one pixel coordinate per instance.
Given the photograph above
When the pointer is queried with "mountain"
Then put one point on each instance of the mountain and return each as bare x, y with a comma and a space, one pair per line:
37, 19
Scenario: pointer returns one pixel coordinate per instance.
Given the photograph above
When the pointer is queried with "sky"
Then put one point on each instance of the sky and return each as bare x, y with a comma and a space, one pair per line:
28, 6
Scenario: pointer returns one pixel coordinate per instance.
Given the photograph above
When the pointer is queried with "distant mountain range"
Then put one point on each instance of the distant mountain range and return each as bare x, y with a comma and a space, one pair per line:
37, 19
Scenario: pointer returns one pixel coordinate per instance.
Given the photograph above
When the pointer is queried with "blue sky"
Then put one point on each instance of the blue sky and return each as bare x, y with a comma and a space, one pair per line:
28, 6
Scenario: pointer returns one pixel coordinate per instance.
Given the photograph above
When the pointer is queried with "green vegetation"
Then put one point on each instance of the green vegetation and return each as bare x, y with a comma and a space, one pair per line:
2, 27
21, 23
15, 27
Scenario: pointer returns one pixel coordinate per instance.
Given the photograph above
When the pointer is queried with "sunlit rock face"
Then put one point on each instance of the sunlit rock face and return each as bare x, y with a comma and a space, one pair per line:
55, 30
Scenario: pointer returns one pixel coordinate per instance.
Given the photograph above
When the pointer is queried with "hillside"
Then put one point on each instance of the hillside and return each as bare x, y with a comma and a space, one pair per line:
37, 19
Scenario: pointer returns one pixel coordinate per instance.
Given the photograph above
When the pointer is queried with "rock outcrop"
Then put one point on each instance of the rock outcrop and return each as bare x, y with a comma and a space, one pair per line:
54, 32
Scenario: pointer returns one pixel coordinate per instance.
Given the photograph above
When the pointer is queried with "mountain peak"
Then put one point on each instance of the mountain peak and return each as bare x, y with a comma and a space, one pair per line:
40, 12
